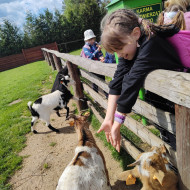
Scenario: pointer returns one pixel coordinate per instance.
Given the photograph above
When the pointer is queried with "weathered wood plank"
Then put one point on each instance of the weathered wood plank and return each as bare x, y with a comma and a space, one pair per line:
90, 65
52, 61
93, 78
127, 145
171, 85
136, 127
174, 86
57, 63
183, 145
164, 119
78, 89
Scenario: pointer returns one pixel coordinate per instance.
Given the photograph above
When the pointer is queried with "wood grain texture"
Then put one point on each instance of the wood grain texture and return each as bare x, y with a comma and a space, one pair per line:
183, 145
136, 127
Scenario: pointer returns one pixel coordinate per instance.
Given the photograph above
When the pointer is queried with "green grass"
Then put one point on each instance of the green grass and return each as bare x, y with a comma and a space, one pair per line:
46, 166
25, 83
155, 131
52, 144
78, 51
122, 157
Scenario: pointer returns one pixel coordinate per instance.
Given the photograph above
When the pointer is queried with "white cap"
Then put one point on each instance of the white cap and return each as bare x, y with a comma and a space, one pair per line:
88, 34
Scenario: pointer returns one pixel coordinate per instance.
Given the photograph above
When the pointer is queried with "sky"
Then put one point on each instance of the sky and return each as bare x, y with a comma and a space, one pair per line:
15, 10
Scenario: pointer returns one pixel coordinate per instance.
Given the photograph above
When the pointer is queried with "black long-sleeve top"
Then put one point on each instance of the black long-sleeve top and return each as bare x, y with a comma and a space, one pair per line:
155, 53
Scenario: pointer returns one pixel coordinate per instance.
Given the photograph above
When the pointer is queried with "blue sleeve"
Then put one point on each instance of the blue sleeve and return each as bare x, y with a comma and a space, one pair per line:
89, 54
109, 58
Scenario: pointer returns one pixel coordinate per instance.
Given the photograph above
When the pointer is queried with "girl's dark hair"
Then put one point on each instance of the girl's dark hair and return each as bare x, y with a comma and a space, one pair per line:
120, 23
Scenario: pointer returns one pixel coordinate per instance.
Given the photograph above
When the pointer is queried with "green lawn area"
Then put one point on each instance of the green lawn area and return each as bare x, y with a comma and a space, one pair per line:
78, 51
27, 83
23, 83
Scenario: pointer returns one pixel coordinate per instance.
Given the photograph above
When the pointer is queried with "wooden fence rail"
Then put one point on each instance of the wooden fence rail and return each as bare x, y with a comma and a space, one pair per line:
174, 86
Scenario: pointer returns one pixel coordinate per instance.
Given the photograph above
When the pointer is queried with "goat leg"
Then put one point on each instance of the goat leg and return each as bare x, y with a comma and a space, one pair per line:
67, 114
34, 119
53, 129
58, 114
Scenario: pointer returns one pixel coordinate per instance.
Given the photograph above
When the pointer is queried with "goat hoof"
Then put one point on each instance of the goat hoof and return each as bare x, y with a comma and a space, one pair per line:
57, 131
35, 132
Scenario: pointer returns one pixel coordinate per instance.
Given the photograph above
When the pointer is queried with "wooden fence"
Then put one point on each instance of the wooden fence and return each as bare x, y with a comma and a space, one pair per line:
27, 56
174, 86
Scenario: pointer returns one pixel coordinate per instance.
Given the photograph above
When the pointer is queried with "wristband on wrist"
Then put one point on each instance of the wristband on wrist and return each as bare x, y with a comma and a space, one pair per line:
119, 118
121, 121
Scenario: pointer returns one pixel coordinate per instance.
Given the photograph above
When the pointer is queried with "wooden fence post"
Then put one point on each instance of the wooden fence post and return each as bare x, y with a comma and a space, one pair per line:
44, 53
182, 115
45, 56
52, 61
48, 59
57, 62
78, 89
24, 55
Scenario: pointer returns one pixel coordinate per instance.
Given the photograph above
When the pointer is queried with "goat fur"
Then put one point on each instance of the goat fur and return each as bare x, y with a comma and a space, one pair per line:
153, 170
87, 170
43, 107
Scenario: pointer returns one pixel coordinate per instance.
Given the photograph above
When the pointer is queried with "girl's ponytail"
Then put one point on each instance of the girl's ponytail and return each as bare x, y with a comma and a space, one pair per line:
160, 20
179, 20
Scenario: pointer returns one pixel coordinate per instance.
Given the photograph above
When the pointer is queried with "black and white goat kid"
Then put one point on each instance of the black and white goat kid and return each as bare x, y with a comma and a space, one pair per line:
43, 107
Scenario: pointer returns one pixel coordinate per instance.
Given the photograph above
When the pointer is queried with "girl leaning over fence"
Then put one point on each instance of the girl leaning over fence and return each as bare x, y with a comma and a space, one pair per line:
142, 48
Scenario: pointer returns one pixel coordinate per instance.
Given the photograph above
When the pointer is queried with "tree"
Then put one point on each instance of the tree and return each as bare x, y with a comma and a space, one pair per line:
10, 39
82, 15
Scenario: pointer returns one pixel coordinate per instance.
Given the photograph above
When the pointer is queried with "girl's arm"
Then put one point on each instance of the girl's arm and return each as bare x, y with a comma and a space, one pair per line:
115, 90
109, 119
155, 53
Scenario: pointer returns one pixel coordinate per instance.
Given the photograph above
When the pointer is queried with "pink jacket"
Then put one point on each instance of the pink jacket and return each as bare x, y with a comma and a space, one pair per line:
187, 20
181, 43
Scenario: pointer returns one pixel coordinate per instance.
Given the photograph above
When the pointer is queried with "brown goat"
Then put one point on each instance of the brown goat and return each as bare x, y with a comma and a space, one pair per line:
87, 170
153, 170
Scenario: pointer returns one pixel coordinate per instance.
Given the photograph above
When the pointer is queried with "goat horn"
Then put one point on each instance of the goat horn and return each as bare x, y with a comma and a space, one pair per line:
72, 116
134, 163
83, 111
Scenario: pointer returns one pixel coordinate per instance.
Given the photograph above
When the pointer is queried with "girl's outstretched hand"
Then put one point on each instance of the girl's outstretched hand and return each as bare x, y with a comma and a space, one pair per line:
106, 127
116, 136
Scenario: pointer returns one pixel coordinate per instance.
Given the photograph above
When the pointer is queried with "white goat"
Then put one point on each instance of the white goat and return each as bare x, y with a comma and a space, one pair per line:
153, 170
43, 107
87, 170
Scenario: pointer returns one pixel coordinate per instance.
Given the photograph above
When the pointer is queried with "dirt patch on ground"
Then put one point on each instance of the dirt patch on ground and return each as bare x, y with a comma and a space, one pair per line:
47, 154
15, 102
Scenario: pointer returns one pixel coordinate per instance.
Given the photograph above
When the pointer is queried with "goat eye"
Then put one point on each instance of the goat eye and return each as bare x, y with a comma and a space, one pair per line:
151, 163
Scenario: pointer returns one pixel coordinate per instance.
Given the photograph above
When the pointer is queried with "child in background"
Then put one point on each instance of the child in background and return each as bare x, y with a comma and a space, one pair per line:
186, 6
173, 14
109, 58
91, 49
142, 48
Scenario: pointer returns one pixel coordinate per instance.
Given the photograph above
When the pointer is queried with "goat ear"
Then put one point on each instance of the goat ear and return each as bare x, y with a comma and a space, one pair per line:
134, 163
159, 176
163, 149
67, 77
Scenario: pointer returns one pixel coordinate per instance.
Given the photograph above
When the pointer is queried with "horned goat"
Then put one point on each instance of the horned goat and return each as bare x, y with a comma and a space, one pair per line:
153, 170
